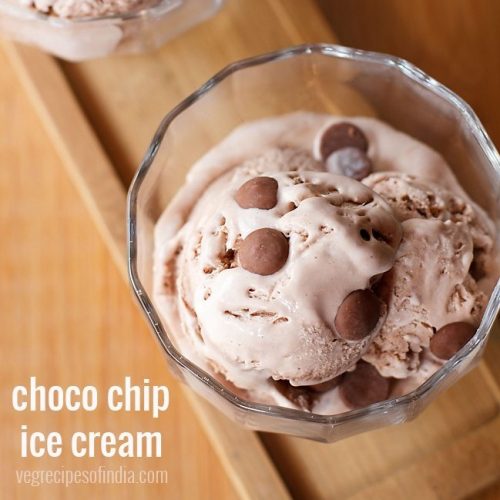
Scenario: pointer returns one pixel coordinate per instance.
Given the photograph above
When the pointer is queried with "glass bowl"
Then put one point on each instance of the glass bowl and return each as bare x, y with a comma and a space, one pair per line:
78, 39
319, 78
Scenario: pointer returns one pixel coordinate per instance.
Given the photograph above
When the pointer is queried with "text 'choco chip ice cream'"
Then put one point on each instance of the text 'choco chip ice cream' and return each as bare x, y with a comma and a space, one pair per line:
321, 263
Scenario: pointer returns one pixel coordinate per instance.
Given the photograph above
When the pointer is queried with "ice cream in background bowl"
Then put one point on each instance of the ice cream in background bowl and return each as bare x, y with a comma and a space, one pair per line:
78, 30
87, 8
326, 272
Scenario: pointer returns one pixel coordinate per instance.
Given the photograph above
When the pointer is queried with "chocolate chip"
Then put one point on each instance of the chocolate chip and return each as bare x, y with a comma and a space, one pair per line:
263, 251
358, 315
259, 192
379, 236
450, 338
363, 386
299, 396
339, 136
326, 386
364, 234
351, 162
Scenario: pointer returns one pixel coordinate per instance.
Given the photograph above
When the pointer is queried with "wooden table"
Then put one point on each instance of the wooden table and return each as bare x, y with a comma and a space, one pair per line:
67, 317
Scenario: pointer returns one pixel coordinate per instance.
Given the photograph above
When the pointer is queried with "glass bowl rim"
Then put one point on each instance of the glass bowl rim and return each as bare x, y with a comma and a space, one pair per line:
337, 51
154, 11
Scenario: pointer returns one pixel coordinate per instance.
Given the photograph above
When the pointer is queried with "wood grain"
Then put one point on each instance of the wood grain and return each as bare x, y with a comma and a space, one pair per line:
449, 473
84, 158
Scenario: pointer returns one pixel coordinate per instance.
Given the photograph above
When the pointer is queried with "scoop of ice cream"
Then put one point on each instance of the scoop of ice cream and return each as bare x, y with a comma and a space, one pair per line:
428, 287
277, 292
410, 197
447, 242
87, 8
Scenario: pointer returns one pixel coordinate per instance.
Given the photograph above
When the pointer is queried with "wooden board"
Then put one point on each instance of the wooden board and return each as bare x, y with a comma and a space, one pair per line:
123, 100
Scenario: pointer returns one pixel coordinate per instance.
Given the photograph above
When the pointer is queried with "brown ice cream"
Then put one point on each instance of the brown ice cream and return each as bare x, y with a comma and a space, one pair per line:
296, 284
447, 243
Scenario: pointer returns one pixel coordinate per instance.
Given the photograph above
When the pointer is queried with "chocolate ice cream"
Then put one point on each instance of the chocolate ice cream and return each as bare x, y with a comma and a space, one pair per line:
321, 263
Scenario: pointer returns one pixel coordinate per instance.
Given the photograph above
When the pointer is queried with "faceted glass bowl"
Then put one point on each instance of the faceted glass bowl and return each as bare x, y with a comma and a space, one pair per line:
327, 79
78, 39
